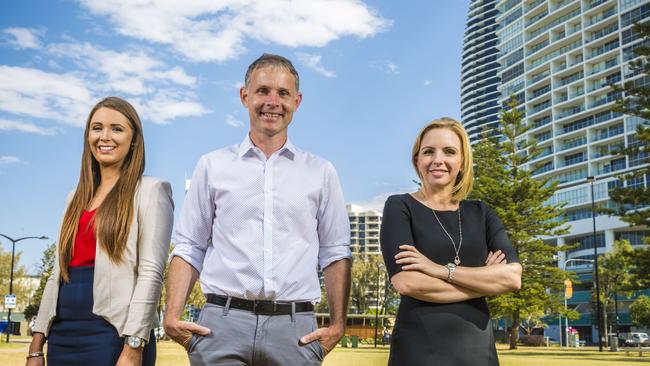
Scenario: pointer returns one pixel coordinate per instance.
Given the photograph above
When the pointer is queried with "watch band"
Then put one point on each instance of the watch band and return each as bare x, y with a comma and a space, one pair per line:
451, 267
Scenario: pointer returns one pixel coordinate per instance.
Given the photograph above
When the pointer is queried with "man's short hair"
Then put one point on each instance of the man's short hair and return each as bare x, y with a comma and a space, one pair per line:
268, 59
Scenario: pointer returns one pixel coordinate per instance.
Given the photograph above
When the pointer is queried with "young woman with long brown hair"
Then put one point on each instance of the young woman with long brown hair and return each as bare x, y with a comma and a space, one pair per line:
99, 304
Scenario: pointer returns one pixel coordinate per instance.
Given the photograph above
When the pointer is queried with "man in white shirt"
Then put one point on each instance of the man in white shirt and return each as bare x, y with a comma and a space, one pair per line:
258, 219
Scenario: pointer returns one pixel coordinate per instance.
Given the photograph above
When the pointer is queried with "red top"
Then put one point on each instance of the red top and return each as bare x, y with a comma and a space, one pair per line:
83, 253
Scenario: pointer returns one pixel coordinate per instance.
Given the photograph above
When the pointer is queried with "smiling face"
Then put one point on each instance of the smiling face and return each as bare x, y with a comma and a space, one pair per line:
440, 158
271, 98
109, 136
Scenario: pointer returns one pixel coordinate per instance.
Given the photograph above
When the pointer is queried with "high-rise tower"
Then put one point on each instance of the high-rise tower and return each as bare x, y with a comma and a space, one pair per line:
479, 80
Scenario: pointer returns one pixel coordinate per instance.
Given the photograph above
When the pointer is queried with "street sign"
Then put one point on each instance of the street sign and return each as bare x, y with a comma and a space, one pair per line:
568, 289
10, 301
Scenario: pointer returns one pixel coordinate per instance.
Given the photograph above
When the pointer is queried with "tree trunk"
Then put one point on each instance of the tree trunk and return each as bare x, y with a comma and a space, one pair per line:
514, 331
604, 331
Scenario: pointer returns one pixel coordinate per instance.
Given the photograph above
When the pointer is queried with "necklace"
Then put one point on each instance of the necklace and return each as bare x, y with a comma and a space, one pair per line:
460, 229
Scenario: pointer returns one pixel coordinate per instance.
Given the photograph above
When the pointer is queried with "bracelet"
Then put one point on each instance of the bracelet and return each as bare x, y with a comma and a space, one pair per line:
35, 354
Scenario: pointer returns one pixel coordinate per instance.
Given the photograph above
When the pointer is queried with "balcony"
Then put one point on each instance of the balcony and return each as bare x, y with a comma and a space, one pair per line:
575, 160
605, 66
533, 5
543, 169
539, 77
594, 4
603, 32
610, 98
610, 132
542, 121
613, 167
570, 79
604, 48
570, 111
611, 11
540, 107
577, 142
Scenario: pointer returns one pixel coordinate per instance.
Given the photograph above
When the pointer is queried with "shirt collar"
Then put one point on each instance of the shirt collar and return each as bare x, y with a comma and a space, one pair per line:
288, 149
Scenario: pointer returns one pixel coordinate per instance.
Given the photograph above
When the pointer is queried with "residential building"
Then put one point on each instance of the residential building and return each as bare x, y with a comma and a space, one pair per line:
364, 229
479, 79
558, 58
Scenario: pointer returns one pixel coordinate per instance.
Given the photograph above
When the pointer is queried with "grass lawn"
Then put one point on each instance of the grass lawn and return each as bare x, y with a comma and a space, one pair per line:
171, 354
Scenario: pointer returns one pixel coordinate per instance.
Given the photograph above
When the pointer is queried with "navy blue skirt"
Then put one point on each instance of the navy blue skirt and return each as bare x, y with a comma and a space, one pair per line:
79, 337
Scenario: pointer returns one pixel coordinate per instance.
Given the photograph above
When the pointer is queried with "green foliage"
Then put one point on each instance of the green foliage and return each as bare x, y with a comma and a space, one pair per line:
639, 269
367, 273
44, 270
505, 184
640, 311
614, 279
20, 288
635, 102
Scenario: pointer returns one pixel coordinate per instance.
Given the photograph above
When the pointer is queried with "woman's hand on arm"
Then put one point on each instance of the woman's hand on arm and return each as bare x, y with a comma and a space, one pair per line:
423, 287
496, 277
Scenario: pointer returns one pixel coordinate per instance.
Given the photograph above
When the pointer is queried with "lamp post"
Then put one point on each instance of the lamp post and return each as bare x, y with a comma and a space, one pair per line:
566, 319
591, 180
11, 276
377, 303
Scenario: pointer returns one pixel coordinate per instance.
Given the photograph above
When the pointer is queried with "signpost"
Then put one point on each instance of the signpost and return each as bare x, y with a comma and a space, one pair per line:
10, 301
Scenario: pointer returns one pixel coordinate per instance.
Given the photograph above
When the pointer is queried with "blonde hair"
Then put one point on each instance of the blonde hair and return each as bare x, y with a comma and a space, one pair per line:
112, 220
465, 178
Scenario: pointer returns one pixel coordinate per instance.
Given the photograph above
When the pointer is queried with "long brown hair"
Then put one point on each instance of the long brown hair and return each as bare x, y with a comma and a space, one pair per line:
112, 220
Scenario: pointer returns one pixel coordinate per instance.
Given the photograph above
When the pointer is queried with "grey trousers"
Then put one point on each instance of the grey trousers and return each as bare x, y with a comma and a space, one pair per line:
240, 337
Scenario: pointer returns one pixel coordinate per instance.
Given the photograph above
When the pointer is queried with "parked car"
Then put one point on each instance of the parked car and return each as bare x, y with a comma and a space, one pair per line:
633, 339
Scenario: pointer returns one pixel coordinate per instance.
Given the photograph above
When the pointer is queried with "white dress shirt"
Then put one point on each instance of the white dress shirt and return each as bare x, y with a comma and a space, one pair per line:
257, 228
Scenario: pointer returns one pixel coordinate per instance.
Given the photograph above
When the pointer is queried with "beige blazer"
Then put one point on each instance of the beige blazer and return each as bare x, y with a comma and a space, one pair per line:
127, 294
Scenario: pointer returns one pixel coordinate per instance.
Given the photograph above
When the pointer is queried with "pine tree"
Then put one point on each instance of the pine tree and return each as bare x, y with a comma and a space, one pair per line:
45, 270
521, 202
633, 200
614, 280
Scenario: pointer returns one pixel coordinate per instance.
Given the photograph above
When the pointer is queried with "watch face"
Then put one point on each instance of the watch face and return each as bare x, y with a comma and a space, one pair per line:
134, 342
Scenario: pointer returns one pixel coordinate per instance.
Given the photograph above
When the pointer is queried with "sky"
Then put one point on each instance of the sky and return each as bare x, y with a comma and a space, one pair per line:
372, 74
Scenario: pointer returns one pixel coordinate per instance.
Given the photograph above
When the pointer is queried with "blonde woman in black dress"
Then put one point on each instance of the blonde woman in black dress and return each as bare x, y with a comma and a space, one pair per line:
444, 254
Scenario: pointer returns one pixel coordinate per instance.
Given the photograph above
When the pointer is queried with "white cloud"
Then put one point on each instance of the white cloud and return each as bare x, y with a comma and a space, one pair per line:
204, 30
36, 93
427, 82
231, 120
386, 66
313, 61
125, 72
8, 125
167, 106
23, 38
6, 159
377, 202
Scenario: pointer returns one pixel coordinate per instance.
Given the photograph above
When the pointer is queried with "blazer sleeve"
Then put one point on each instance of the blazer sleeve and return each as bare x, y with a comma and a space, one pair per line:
47, 308
154, 236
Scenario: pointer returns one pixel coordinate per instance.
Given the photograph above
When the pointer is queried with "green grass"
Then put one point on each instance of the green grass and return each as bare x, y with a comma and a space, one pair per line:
171, 354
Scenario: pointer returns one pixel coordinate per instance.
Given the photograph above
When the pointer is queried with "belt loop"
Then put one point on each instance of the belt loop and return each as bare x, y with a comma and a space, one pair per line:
227, 306
293, 312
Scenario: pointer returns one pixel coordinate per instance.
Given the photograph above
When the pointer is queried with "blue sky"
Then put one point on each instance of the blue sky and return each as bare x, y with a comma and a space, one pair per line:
372, 74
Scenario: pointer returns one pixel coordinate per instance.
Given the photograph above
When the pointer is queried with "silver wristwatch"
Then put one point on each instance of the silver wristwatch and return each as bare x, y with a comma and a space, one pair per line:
134, 342
451, 267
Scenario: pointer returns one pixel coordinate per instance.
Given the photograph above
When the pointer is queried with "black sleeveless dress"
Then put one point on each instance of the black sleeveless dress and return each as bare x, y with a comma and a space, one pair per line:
454, 334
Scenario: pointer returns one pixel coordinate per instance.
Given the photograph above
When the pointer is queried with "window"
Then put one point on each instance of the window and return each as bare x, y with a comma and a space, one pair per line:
634, 237
586, 242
